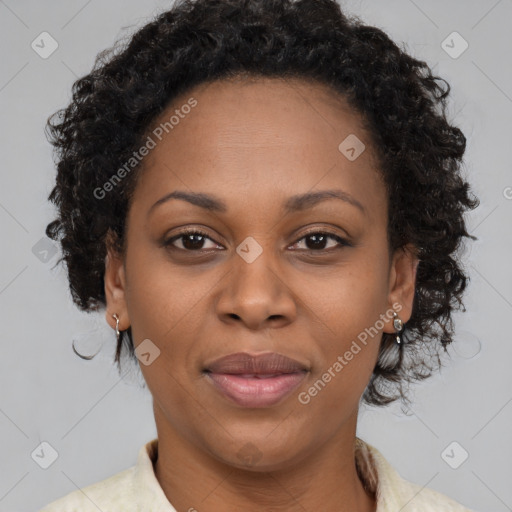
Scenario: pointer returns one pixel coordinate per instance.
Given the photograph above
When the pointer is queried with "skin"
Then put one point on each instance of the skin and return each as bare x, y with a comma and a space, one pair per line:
254, 144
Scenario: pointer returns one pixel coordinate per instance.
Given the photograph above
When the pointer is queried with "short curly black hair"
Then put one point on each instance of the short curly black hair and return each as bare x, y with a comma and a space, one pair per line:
402, 104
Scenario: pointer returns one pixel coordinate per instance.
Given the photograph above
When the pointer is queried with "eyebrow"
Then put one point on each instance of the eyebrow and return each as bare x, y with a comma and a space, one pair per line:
292, 204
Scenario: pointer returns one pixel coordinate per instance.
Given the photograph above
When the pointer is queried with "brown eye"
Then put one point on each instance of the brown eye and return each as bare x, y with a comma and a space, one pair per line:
192, 240
316, 241
195, 240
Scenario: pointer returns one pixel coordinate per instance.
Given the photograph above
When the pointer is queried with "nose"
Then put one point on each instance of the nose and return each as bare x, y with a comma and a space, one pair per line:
257, 294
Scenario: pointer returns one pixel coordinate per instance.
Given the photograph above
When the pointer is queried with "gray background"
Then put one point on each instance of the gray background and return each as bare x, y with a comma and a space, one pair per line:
96, 420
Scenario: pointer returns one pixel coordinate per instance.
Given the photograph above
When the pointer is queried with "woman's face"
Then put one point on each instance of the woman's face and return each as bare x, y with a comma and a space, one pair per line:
268, 274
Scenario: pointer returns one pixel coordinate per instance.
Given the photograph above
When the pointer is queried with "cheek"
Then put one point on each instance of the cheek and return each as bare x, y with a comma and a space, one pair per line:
347, 312
164, 307
349, 299
160, 296
347, 345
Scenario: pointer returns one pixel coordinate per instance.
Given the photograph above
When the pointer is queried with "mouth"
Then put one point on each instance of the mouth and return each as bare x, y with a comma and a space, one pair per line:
255, 381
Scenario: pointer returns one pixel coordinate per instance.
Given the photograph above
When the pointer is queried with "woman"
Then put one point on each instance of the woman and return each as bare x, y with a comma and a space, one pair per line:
266, 198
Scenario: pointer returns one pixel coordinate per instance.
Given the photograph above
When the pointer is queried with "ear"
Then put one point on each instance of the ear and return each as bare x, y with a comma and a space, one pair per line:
402, 283
115, 286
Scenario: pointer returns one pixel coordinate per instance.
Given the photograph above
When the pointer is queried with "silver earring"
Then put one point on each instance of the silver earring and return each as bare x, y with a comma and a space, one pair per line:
398, 325
118, 334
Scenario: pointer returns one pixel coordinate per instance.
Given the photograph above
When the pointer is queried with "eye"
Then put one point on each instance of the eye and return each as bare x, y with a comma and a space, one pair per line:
193, 240
318, 240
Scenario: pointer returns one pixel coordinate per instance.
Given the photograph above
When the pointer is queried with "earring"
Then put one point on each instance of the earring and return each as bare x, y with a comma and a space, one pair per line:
118, 334
398, 325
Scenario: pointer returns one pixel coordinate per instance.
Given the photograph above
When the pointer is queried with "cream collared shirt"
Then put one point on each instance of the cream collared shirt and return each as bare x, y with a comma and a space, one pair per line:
137, 490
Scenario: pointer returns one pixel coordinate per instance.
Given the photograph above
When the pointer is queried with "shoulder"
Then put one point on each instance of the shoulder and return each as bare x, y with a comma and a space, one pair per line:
110, 495
422, 499
394, 492
131, 490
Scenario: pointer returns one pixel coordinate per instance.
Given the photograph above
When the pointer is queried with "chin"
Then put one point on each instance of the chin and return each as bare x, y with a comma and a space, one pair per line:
260, 453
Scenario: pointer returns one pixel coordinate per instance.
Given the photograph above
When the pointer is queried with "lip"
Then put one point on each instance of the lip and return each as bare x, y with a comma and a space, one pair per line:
261, 380
267, 363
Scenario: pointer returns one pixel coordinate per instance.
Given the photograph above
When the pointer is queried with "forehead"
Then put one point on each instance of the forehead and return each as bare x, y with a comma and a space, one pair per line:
254, 111
258, 137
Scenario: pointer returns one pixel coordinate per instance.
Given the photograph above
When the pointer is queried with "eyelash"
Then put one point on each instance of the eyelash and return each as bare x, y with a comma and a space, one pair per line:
194, 231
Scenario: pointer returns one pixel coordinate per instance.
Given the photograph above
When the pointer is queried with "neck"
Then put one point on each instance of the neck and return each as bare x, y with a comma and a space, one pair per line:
327, 478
